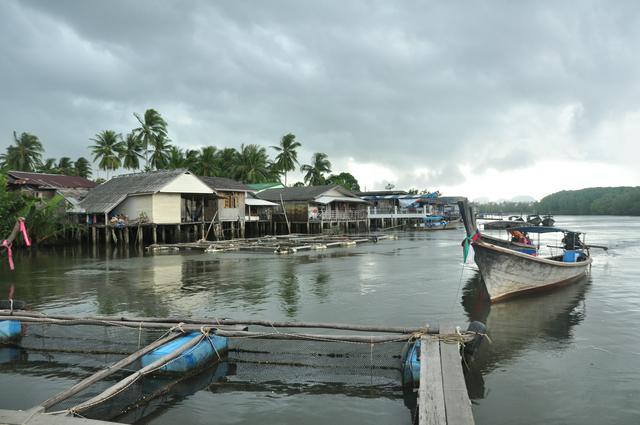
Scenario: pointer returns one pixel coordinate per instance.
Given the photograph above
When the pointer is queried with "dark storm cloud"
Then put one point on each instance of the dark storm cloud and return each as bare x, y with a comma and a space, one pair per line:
380, 82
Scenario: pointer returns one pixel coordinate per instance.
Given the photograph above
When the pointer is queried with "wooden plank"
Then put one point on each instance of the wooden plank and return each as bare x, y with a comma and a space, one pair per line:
456, 398
431, 407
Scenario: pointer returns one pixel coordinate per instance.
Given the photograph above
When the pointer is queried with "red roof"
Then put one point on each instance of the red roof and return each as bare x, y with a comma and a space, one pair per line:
52, 181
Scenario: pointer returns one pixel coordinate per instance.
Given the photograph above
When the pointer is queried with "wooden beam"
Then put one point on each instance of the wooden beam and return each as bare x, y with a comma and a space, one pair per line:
456, 398
431, 407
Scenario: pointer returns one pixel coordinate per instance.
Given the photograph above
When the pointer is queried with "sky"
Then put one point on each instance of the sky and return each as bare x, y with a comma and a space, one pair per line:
486, 99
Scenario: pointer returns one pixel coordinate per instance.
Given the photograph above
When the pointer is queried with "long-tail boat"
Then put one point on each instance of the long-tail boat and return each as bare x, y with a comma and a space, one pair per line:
507, 272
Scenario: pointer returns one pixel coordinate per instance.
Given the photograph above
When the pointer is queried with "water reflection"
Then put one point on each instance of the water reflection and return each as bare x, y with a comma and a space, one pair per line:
514, 325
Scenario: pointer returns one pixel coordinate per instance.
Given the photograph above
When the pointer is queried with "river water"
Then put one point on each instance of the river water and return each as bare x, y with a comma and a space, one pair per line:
571, 356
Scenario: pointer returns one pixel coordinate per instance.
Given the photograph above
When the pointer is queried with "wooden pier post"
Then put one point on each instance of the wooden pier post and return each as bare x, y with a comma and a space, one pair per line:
154, 233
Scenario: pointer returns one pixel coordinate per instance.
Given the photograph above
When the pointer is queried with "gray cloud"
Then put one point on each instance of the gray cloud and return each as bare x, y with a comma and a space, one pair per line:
378, 81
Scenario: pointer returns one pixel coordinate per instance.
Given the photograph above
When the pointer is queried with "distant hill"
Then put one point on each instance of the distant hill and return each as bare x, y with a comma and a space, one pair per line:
593, 201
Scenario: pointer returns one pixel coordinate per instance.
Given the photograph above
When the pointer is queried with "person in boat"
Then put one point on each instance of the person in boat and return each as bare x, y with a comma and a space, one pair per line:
520, 237
571, 241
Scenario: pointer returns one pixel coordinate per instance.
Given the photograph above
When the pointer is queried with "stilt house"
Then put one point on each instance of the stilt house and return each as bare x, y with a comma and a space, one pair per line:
167, 198
313, 209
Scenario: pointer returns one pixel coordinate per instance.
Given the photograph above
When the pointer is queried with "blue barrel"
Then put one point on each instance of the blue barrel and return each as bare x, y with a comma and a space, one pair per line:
10, 330
196, 357
411, 364
570, 256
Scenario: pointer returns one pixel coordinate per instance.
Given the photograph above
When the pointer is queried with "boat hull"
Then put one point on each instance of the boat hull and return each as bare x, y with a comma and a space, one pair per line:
507, 273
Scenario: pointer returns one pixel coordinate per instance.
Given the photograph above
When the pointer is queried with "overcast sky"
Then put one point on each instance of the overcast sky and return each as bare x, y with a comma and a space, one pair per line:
489, 99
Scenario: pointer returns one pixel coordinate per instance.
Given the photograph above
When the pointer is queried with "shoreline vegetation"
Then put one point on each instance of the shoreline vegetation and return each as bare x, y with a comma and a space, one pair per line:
621, 201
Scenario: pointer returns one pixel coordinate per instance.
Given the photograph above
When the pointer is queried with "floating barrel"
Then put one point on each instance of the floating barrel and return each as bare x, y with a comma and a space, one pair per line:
209, 349
411, 364
10, 330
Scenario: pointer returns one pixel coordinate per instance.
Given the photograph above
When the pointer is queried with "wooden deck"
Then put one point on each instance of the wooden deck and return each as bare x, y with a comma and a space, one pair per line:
442, 396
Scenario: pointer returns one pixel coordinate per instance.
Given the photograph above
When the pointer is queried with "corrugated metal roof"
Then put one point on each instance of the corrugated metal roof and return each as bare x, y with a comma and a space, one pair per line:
253, 202
225, 184
301, 193
49, 181
109, 194
329, 199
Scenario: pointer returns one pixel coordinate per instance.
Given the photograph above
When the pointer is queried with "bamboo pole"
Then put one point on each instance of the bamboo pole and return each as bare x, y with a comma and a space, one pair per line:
213, 322
111, 391
107, 372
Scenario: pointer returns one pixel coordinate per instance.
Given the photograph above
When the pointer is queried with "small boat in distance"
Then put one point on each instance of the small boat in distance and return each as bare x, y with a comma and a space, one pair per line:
507, 272
547, 220
534, 219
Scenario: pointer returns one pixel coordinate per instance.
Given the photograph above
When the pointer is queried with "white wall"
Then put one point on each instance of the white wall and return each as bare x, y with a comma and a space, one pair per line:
166, 208
134, 205
186, 183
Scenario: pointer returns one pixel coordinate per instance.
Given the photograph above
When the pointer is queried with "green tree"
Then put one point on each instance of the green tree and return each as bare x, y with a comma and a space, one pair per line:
106, 149
66, 166
176, 158
191, 159
159, 158
24, 155
252, 164
152, 130
226, 160
314, 172
82, 168
48, 166
206, 164
345, 180
287, 158
131, 152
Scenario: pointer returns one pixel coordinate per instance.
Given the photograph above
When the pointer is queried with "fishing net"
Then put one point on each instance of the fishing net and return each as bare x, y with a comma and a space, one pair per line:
318, 365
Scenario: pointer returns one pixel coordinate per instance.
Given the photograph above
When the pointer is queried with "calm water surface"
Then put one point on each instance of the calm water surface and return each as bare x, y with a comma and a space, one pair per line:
571, 356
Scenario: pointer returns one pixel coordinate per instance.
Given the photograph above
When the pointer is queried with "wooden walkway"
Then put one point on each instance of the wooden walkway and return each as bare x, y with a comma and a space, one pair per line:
442, 396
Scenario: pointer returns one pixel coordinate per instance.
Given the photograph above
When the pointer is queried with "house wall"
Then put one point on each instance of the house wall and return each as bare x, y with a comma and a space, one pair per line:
234, 213
134, 205
186, 183
166, 208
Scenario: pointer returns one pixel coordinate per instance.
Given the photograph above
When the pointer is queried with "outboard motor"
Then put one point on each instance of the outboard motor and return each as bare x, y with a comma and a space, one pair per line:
480, 330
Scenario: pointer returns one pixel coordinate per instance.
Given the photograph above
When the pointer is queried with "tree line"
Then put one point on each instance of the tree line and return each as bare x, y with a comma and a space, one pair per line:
592, 201
148, 147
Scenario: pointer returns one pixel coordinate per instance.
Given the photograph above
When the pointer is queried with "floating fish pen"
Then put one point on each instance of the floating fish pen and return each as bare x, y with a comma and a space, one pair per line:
288, 244
137, 361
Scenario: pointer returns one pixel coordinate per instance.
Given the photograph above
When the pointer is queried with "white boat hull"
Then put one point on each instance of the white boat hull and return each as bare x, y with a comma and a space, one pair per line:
507, 273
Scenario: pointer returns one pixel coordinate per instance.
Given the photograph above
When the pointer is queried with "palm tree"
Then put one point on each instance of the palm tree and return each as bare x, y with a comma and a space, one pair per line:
48, 166
25, 155
159, 158
192, 159
176, 158
65, 166
152, 129
287, 159
107, 148
225, 162
252, 164
131, 152
206, 165
314, 172
83, 168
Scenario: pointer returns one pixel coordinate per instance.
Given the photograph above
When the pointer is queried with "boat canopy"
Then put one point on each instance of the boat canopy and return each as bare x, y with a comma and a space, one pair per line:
433, 218
541, 229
